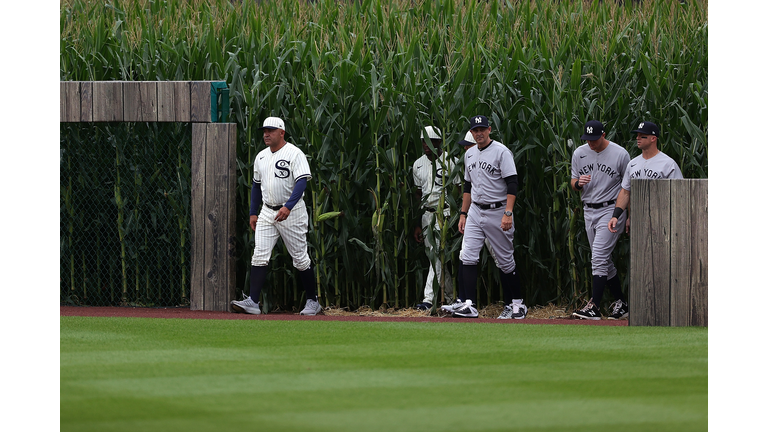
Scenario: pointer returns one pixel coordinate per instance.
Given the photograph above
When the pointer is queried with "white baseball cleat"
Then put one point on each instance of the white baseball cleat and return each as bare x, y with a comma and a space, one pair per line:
311, 308
245, 306
453, 306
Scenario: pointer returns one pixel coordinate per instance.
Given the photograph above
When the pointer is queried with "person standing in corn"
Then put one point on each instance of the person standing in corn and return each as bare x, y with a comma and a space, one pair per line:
430, 172
280, 175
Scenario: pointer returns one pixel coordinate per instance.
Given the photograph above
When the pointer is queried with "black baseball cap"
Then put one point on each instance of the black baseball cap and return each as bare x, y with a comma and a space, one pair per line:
478, 121
593, 130
647, 128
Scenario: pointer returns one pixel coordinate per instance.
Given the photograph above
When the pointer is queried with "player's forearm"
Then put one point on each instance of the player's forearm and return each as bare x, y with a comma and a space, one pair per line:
466, 200
255, 199
622, 201
510, 202
575, 185
298, 192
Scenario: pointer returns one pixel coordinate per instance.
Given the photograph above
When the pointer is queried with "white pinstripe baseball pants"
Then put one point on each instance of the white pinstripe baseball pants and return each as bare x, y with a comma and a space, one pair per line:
435, 270
293, 231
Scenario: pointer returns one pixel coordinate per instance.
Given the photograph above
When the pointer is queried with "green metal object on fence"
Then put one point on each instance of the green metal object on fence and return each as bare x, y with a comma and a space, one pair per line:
219, 89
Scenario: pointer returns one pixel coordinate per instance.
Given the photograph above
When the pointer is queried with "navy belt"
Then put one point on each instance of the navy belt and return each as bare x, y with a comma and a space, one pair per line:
273, 207
492, 205
600, 205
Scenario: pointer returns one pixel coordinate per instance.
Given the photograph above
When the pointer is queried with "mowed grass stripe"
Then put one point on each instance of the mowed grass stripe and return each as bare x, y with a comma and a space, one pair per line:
199, 375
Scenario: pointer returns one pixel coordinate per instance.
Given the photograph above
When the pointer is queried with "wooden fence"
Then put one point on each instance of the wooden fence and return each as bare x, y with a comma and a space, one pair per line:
204, 104
668, 247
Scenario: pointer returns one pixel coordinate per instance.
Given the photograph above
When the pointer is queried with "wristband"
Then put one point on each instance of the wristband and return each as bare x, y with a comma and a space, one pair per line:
577, 186
462, 213
617, 212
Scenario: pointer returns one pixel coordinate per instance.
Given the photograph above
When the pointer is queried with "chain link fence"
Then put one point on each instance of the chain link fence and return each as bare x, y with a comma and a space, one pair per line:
125, 214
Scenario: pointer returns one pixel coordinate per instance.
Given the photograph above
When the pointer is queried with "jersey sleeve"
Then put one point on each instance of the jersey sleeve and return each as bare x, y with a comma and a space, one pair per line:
416, 175
300, 166
675, 173
256, 173
626, 178
574, 168
507, 163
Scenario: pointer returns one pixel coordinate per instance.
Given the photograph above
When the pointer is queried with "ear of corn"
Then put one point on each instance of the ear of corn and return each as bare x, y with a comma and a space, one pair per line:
356, 82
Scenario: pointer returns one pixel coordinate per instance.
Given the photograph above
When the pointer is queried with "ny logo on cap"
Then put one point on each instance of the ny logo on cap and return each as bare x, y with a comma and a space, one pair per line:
478, 120
589, 129
641, 125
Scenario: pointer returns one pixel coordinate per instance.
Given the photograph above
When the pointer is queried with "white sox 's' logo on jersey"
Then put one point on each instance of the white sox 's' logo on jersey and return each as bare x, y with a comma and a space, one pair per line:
281, 169
439, 177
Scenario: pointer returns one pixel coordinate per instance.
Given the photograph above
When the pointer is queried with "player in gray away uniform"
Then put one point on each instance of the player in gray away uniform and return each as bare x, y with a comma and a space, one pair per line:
650, 164
467, 143
280, 175
597, 169
490, 189
429, 174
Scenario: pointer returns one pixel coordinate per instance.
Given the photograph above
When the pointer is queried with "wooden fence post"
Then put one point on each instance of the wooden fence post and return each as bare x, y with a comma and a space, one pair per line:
213, 215
668, 252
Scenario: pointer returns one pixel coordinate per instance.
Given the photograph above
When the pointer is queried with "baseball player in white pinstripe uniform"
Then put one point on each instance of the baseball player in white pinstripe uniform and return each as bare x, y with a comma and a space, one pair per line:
597, 169
430, 172
280, 175
490, 190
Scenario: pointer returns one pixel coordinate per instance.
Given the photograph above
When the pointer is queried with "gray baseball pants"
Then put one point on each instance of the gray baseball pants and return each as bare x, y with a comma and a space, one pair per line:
601, 239
485, 225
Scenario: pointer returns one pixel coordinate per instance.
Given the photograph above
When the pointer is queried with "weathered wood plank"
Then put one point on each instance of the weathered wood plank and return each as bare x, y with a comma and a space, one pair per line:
86, 101
680, 253
200, 101
649, 249
699, 250
69, 101
198, 238
166, 101
232, 217
140, 101
108, 101
217, 209
182, 91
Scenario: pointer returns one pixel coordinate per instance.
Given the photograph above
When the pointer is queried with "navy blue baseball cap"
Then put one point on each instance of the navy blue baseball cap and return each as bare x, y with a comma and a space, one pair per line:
593, 130
647, 128
478, 121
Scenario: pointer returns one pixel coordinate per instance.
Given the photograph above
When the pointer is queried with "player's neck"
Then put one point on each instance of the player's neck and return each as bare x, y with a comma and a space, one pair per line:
650, 152
275, 148
483, 146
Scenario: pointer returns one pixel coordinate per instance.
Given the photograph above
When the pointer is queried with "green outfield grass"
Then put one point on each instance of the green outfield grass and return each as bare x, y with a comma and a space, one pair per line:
128, 374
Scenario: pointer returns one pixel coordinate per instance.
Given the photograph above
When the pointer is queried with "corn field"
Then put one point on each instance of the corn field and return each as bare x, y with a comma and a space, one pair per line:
357, 81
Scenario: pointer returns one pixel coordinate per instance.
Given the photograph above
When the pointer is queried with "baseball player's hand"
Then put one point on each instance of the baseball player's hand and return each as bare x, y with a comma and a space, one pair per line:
506, 223
252, 222
417, 235
282, 214
612, 225
462, 223
627, 225
584, 180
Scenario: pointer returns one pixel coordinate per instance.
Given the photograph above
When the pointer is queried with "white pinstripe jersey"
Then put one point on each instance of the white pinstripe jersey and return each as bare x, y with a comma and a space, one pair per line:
278, 172
431, 186
660, 166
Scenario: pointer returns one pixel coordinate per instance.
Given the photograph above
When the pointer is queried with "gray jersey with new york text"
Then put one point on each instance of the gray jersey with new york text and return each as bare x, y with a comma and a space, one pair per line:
606, 168
486, 169
660, 166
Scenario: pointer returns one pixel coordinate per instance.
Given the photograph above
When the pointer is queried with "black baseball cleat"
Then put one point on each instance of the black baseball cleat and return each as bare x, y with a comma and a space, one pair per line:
466, 311
619, 310
424, 306
589, 312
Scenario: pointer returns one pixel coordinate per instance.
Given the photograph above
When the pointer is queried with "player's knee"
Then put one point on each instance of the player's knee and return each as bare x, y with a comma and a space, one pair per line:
259, 261
302, 264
